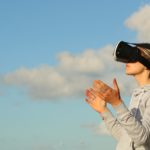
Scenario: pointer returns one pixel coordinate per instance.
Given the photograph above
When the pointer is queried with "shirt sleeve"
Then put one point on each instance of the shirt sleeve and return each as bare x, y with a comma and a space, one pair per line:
139, 131
112, 124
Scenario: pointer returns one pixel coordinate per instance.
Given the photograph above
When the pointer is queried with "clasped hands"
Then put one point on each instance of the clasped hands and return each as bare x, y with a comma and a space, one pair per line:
101, 94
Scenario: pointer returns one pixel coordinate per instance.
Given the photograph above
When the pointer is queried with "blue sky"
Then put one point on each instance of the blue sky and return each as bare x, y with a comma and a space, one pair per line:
50, 52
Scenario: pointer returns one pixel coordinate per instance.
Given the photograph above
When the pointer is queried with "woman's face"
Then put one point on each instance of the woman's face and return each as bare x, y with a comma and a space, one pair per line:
134, 68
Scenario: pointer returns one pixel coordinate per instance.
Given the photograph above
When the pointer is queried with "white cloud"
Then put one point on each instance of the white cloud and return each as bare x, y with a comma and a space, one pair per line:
87, 62
140, 22
97, 129
72, 75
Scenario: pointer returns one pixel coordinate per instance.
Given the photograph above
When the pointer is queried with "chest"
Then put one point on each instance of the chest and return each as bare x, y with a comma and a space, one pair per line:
137, 106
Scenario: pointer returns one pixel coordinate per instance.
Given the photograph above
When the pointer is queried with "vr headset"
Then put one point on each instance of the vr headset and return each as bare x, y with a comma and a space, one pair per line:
129, 52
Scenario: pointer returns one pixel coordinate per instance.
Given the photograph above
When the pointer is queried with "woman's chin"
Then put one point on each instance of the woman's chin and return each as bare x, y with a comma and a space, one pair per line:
129, 73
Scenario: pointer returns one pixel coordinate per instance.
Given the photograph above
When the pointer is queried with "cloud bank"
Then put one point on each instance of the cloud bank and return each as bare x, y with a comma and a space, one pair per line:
70, 78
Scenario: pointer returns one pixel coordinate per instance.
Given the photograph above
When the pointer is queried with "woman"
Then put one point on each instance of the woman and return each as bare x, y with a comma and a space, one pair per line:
130, 127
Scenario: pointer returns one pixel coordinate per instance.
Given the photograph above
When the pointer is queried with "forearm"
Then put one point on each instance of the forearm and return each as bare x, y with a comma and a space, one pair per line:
112, 124
138, 131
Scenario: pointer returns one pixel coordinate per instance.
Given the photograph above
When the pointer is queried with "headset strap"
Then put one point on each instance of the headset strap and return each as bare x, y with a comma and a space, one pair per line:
143, 60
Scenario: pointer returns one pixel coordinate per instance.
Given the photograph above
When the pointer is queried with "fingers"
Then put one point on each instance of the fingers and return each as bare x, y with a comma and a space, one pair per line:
100, 86
90, 94
97, 85
96, 93
90, 98
101, 93
88, 101
100, 89
93, 91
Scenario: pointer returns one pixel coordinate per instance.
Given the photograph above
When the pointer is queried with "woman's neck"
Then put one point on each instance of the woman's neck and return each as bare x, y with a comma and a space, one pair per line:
143, 78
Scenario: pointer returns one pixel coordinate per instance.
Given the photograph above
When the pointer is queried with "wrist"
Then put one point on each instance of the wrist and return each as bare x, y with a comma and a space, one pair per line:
103, 110
116, 102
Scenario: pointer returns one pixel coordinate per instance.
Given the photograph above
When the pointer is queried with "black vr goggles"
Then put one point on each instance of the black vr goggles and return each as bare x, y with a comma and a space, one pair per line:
129, 52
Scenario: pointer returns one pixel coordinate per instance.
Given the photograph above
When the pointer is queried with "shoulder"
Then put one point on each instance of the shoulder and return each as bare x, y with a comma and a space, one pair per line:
146, 98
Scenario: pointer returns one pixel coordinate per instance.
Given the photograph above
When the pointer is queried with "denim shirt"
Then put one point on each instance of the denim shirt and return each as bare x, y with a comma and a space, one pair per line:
131, 127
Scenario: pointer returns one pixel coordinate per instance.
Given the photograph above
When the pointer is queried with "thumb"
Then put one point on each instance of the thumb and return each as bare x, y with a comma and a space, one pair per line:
115, 85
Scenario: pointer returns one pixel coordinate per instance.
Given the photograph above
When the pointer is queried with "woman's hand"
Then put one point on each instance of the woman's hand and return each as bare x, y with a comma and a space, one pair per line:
106, 93
95, 101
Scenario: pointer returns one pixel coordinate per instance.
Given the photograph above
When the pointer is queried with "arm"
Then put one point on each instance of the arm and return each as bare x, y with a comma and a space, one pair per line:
112, 124
138, 131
